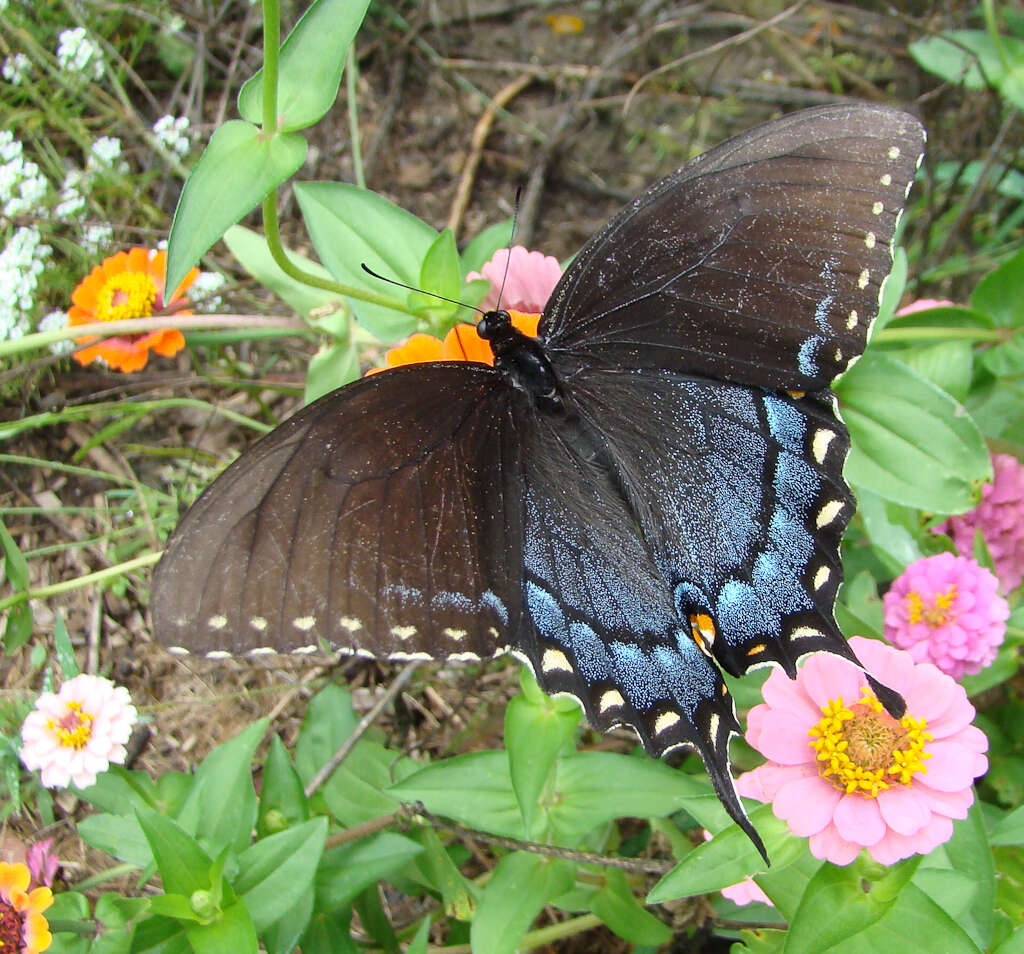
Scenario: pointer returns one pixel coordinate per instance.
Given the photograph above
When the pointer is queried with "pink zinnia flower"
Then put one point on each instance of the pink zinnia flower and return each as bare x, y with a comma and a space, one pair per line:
846, 774
1000, 518
923, 304
947, 610
529, 280
74, 734
42, 863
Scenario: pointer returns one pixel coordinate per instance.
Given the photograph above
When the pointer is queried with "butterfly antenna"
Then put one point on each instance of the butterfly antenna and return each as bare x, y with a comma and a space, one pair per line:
511, 238
394, 281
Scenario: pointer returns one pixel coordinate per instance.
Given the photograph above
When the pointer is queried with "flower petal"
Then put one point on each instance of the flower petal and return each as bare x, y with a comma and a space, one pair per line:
858, 819
904, 809
806, 805
829, 845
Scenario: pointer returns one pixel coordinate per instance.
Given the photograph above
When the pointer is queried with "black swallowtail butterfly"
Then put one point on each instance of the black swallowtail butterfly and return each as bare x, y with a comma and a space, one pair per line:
650, 487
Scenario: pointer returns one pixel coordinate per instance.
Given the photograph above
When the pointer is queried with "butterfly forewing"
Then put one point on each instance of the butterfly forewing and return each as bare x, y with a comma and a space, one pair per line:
384, 518
760, 262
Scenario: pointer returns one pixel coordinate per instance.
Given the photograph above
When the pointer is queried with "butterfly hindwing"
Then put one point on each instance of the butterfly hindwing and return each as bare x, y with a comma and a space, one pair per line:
739, 493
759, 262
385, 518
605, 628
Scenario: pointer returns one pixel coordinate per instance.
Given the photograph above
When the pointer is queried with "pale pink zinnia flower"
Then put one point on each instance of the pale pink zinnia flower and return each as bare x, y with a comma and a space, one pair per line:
42, 863
923, 304
74, 734
529, 280
1000, 518
947, 610
845, 774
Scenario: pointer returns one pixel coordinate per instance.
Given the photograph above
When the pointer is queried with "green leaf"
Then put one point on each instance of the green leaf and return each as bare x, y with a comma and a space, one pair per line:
837, 905
892, 290
1010, 829
18, 630
253, 254
221, 807
1000, 294
233, 931
439, 274
859, 607
160, 935
959, 876
183, 865
237, 169
350, 226
347, 869
281, 790
278, 870
619, 909
328, 933
729, 858
949, 365
63, 648
436, 870
334, 365
328, 722
537, 731
912, 443
970, 57
886, 524
520, 886
282, 937
310, 66
914, 916
475, 789
584, 799
120, 836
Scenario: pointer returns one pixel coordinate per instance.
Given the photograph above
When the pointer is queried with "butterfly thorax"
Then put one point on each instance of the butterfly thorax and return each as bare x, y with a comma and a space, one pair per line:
521, 359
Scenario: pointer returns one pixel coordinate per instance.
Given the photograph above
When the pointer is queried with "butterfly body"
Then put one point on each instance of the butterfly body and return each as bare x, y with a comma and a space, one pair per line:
647, 493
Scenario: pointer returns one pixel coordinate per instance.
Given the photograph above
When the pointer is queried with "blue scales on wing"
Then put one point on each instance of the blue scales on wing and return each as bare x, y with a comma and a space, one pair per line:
605, 625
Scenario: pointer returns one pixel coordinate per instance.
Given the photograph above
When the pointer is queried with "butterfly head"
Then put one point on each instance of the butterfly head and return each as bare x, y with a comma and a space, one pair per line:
521, 358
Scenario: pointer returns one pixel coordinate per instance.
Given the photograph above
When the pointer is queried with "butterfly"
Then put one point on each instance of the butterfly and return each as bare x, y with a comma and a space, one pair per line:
646, 494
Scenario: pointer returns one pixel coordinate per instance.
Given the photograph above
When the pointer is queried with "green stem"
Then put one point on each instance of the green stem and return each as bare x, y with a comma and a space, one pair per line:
134, 326
65, 586
101, 877
271, 52
272, 233
351, 79
87, 412
993, 31
891, 335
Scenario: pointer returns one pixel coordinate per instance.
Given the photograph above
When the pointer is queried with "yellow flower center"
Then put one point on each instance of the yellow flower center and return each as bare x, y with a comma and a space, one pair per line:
863, 749
935, 615
74, 728
126, 295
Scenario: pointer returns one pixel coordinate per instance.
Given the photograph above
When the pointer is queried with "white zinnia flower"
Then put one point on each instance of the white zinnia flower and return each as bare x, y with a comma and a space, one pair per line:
73, 735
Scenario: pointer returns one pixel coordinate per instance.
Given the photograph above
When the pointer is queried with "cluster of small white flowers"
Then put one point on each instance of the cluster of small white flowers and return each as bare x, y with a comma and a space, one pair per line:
21, 262
202, 289
71, 199
57, 321
173, 133
22, 185
15, 67
78, 54
96, 238
105, 154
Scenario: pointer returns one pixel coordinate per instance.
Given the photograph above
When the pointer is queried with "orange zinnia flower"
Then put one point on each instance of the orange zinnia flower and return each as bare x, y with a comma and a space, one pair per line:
128, 285
23, 929
462, 343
